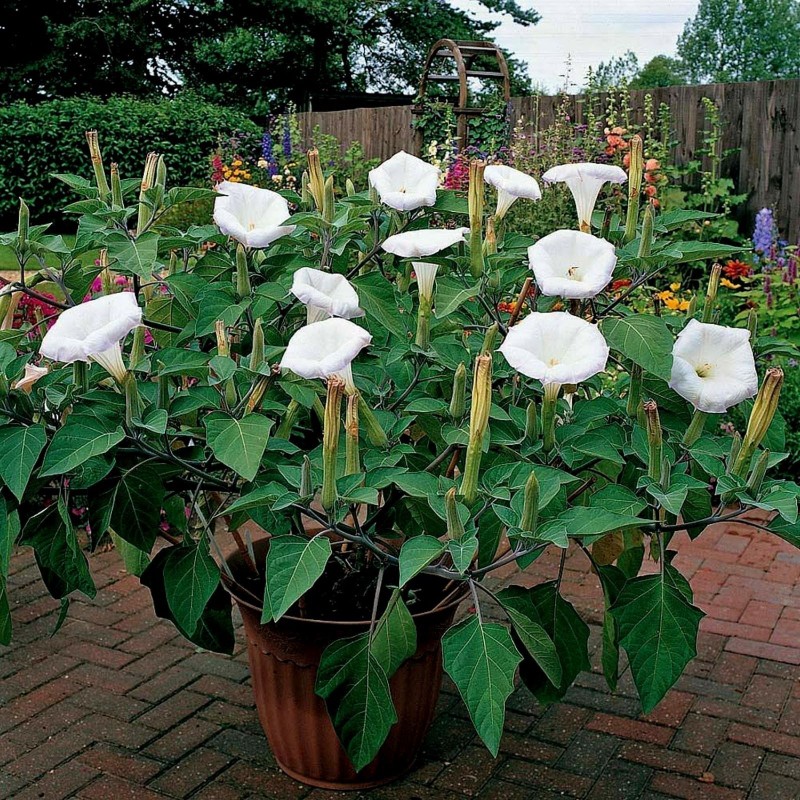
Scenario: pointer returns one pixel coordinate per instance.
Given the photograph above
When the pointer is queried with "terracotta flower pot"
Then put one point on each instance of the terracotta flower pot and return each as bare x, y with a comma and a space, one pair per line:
284, 658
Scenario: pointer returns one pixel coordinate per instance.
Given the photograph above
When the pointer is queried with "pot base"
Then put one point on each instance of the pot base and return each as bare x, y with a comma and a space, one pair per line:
343, 786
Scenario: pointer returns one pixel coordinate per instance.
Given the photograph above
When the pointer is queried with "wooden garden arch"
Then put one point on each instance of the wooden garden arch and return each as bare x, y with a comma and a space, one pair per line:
464, 54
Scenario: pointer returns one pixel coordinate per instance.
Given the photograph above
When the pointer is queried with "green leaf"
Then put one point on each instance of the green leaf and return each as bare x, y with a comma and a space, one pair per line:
20, 448
518, 604
294, 564
684, 252
462, 551
781, 499
377, 297
644, 339
83, 436
589, 522
789, 532
450, 295
238, 443
9, 532
395, 637
355, 685
481, 659
190, 578
415, 554
134, 256
134, 559
658, 630
612, 579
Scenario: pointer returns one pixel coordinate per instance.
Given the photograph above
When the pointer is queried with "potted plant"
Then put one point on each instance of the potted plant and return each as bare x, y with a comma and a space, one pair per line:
402, 405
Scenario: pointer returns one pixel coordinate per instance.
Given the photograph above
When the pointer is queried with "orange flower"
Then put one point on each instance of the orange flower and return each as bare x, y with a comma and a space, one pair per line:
650, 177
650, 190
652, 164
620, 284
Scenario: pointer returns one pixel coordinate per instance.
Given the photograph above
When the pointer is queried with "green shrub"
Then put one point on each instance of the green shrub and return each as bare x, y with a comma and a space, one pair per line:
41, 139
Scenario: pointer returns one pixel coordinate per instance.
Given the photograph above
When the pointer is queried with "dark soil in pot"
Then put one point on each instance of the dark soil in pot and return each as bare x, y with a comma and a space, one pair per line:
284, 658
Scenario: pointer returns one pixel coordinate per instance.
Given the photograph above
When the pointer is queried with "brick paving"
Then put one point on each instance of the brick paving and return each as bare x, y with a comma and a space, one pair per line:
116, 705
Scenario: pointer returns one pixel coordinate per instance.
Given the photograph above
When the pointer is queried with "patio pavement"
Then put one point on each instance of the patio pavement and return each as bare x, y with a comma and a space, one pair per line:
116, 705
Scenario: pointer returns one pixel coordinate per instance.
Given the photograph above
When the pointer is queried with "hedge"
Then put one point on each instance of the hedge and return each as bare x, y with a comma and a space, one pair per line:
48, 137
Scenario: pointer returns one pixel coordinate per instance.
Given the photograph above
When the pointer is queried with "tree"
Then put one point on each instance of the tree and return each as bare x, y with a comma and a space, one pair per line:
742, 40
659, 71
614, 72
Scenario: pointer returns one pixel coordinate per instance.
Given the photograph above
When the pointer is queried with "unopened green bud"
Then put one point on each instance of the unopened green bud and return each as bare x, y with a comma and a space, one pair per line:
692, 310
695, 429
646, 242
475, 200
752, 324
243, 288
97, 164
455, 528
137, 346
23, 225
305, 192
375, 433
736, 446
148, 179
257, 353
549, 406
163, 392
634, 187
458, 400
530, 505
330, 441
223, 346
490, 339
711, 292
478, 425
172, 268
764, 408
116, 186
654, 440
349, 187
531, 422
306, 486
133, 402
352, 459
328, 200
287, 421
757, 475
161, 173
490, 241
316, 179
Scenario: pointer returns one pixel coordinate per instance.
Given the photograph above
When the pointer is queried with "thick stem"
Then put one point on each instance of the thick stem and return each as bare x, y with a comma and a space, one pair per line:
695, 429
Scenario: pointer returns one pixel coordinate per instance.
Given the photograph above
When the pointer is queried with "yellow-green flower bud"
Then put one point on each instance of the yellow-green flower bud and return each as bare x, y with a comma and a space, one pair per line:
475, 200
243, 288
692, 310
490, 242
316, 179
116, 186
328, 200
97, 164
305, 192
455, 528
532, 431
695, 429
646, 242
349, 187
352, 459
330, 441
490, 339
23, 225
478, 425
752, 324
654, 440
530, 505
634, 187
257, 353
711, 292
764, 408
287, 421
137, 346
458, 400
306, 486
161, 173
549, 405
148, 179
736, 446
757, 475
133, 402
375, 433
163, 392
223, 346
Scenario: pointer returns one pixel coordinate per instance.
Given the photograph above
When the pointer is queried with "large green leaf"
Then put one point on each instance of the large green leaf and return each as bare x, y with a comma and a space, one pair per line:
190, 579
588, 522
20, 447
518, 604
238, 443
395, 636
61, 561
481, 659
134, 559
9, 531
83, 436
644, 339
294, 564
377, 296
416, 554
134, 256
658, 630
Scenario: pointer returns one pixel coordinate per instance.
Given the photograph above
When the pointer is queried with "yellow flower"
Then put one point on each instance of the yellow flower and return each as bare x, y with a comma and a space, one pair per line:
672, 303
684, 306
237, 163
665, 295
728, 284
675, 286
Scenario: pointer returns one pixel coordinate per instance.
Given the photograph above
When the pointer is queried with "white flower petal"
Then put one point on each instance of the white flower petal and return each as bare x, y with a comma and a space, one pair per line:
555, 348
585, 181
424, 242
328, 291
572, 264
32, 374
251, 215
324, 348
713, 366
405, 182
91, 328
426, 277
511, 184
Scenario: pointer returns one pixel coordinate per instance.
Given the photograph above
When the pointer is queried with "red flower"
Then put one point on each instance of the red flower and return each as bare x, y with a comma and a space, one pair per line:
620, 284
736, 269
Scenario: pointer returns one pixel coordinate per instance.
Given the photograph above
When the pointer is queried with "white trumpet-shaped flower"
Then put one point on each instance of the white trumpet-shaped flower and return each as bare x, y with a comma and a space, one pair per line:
585, 181
511, 184
423, 242
426, 277
572, 264
93, 331
325, 294
255, 217
326, 348
555, 348
32, 374
405, 182
713, 366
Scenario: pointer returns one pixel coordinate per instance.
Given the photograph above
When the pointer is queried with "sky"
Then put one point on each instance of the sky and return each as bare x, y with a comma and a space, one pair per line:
588, 31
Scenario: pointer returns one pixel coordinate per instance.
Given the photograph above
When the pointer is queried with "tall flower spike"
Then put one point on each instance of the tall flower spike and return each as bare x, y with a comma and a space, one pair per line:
572, 264
325, 294
585, 181
255, 217
634, 188
511, 185
475, 198
713, 366
93, 331
405, 182
478, 425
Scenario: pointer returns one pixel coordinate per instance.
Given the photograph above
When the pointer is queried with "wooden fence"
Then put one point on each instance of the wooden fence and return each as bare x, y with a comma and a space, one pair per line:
761, 123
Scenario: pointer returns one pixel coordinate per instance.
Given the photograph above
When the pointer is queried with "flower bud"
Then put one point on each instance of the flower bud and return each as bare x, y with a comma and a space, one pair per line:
634, 187
531, 422
306, 486
549, 405
530, 505
223, 346
137, 346
692, 310
375, 433
490, 242
764, 408
287, 420
478, 425
736, 446
711, 292
349, 187
97, 164
256, 395
163, 392
757, 475
455, 528
316, 179
352, 459
116, 186
490, 339
243, 287
695, 429
161, 173
23, 225
475, 199
646, 242
330, 441
148, 178
752, 324
328, 200
257, 353
133, 402
458, 400
305, 192
654, 439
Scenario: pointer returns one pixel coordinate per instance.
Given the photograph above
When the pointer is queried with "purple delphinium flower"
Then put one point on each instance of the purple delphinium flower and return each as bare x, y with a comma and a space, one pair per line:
764, 235
268, 154
287, 138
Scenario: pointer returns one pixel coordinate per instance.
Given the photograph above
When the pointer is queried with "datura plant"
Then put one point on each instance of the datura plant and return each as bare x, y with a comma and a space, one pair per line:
345, 373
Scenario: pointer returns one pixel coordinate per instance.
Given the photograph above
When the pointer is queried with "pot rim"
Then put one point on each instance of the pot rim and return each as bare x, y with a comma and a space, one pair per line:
230, 587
